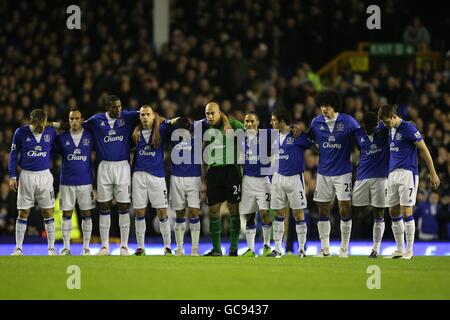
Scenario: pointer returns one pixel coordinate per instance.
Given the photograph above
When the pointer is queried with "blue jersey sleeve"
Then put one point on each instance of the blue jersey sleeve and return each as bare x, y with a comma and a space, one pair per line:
54, 148
384, 132
412, 134
356, 135
354, 125
132, 114
310, 132
89, 124
303, 141
57, 145
133, 117
16, 146
165, 131
201, 125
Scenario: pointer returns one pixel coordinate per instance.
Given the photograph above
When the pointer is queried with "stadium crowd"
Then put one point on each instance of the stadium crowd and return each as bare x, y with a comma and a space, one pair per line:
247, 62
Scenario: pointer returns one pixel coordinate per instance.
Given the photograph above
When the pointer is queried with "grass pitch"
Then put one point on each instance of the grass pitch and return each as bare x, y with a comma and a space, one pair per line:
211, 278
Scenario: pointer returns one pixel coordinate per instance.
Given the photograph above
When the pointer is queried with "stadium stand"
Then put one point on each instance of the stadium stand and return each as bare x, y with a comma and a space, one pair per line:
257, 61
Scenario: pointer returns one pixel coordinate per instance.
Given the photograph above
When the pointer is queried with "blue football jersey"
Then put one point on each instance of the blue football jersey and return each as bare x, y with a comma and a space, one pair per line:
112, 144
403, 153
290, 154
183, 156
76, 167
257, 154
150, 159
30, 154
335, 147
374, 157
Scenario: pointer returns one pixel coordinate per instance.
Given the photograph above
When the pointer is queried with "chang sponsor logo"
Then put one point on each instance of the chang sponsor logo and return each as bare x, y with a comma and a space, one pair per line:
147, 153
392, 147
36, 154
183, 146
330, 144
373, 149
74, 157
108, 139
251, 157
281, 155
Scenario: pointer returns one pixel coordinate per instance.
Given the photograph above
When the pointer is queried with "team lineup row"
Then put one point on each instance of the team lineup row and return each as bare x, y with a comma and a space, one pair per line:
386, 176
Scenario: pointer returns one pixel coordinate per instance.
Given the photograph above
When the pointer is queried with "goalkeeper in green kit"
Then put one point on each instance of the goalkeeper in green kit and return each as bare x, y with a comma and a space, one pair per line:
223, 178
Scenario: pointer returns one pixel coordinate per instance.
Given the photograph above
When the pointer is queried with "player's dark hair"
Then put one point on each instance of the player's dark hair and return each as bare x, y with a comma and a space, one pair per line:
110, 99
329, 97
386, 111
77, 110
38, 116
370, 122
182, 123
283, 115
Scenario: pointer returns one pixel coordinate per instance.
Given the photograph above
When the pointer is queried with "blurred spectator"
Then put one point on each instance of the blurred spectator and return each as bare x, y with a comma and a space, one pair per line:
426, 215
417, 34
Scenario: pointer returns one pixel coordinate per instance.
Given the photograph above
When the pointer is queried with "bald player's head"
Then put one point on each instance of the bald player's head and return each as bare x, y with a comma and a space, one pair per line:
212, 112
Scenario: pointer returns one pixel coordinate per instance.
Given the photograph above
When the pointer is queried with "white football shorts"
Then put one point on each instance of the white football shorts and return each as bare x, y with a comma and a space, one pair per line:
148, 188
69, 195
35, 186
114, 181
255, 194
372, 191
184, 192
402, 188
288, 192
328, 187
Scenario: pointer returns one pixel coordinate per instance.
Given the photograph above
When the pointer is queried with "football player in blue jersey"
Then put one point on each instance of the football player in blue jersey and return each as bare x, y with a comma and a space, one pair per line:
31, 149
75, 147
332, 132
148, 183
185, 183
256, 183
371, 174
288, 183
403, 179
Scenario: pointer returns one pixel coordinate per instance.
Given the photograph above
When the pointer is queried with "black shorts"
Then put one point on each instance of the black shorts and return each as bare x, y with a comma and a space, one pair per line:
223, 184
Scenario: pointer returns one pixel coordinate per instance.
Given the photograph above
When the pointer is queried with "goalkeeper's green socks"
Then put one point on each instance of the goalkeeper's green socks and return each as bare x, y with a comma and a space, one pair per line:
235, 229
214, 229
